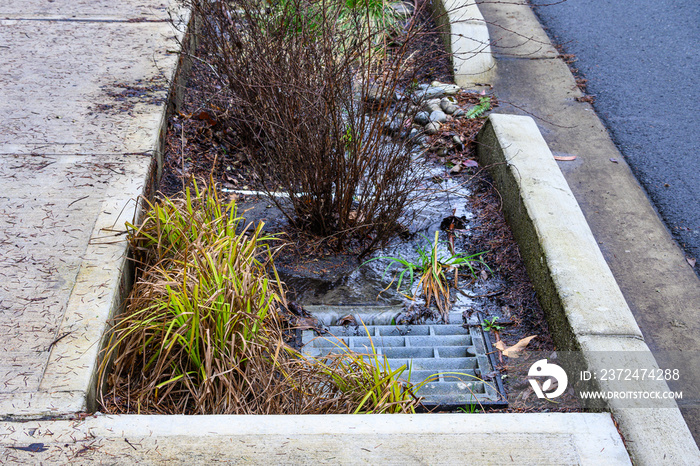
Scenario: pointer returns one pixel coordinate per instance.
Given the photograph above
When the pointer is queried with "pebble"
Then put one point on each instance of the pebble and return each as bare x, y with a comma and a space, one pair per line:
438, 116
432, 128
434, 93
394, 125
447, 89
431, 105
435, 90
377, 95
447, 104
429, 93
458, 113
422, 118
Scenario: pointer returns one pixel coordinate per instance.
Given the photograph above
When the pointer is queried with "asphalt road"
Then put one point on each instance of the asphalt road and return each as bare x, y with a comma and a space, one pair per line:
642, 62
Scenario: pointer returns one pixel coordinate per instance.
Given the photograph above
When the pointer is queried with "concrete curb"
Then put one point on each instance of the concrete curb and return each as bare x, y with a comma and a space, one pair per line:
573, 438
584, 306
466, 39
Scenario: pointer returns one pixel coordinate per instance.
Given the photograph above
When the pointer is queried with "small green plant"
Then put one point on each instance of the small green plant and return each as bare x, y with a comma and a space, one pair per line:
479, 109
490, 324
432, 268
469, 409
347, 137
381, 19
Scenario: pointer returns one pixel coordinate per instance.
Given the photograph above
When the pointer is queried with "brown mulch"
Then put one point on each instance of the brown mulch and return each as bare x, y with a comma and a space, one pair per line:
522, 313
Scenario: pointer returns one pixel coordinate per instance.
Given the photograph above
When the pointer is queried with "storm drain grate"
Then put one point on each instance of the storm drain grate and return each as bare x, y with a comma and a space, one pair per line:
455, 358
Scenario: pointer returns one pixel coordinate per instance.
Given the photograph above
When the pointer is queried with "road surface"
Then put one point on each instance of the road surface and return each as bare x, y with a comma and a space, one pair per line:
642, 62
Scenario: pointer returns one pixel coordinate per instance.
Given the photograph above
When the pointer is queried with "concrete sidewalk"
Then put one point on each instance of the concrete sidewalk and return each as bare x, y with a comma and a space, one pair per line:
450, 439
84, 87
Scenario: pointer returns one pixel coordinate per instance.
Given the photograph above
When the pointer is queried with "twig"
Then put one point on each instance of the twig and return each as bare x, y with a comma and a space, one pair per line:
80, 199
58, 339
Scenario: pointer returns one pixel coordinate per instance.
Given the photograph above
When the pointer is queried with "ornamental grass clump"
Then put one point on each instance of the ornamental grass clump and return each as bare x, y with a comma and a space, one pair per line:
203, 330
367, 380
196, 323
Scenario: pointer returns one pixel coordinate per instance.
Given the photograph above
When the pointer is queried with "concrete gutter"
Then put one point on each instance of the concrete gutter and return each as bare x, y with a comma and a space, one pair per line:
466, 39
585, 308
660, 287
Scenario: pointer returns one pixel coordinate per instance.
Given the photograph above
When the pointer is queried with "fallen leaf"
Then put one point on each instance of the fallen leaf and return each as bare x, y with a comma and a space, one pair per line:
456, 169
614, 160
586, 98
526, 394
691, 261
484, 275
206, 116
513, 351
565, 158
347, 320
308, 323
470, 163
550, 385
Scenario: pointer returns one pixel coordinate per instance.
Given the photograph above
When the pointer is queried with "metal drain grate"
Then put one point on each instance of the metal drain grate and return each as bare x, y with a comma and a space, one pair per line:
454, 356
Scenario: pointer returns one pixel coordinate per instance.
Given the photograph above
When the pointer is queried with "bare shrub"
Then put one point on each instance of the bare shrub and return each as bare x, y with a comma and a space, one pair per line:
314, 88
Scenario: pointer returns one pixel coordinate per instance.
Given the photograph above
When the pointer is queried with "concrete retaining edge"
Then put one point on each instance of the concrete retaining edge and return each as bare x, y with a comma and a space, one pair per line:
529, 438
583, 304
466, 39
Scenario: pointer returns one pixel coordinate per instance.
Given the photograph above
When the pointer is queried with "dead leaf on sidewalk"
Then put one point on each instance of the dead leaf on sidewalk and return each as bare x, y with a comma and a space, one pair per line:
515, 350
691, 261
565, 158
